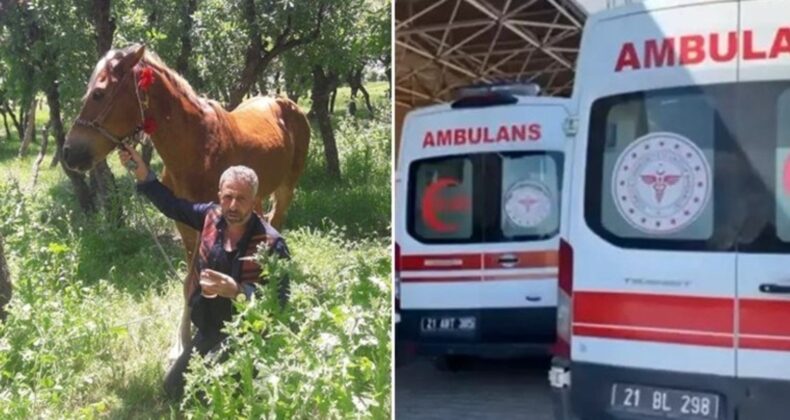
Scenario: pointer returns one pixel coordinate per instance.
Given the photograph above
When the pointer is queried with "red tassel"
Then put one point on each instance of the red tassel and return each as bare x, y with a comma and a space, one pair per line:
149, 125
146, 79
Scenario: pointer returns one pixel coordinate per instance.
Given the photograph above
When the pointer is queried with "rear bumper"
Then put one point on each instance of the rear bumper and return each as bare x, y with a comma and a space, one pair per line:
510, 332
588, 396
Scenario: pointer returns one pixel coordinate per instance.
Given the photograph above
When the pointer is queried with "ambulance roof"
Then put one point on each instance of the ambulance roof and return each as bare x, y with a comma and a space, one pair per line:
522, 100
644, 6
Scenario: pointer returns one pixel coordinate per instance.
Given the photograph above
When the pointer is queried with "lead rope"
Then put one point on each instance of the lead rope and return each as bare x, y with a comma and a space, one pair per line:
131, 166
150, 229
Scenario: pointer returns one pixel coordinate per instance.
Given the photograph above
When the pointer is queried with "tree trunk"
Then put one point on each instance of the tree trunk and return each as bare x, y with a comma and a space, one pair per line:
332, 98
355, 83
262, 88
5, 282
257, 57
323, 84
22, 121
17, 124
104, 188
388, 73
77, 180
291, 91
5, 123
104, 26
102, 182
30, 129
41, 153
366, 95
277, 83
55, 158
182, 61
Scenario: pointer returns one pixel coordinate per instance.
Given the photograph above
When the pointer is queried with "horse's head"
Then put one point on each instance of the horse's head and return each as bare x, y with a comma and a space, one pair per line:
110, 110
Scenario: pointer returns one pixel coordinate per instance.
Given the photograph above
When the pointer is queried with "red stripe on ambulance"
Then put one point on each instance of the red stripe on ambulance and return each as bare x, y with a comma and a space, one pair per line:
533, 259
673, 337
765, 317
495, 277
676, 319
441, 262
672, 312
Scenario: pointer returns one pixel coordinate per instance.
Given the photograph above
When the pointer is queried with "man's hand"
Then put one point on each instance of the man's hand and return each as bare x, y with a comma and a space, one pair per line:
126, 153
215, 283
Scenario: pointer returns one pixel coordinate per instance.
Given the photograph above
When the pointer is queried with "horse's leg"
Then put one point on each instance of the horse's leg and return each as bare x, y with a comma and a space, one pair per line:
183, 336
298, 131
282, 200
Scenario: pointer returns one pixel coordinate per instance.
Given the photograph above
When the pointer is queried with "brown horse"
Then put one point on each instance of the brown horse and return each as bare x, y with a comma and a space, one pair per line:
197, 139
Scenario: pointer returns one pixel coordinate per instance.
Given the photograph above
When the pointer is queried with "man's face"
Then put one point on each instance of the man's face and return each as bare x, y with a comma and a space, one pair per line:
236, 200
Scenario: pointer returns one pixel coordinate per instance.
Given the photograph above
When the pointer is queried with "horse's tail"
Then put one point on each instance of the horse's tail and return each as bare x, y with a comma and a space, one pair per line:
299, 129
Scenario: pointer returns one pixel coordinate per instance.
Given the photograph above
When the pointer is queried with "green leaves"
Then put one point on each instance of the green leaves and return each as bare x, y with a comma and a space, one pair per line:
324, 356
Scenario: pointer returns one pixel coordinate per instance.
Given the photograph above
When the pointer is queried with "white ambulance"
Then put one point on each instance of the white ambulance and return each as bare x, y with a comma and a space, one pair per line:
674, 270
477, 223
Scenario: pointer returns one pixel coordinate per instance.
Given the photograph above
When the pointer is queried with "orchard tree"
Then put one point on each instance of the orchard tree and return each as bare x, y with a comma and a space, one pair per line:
237, 41
49, 49
352, 34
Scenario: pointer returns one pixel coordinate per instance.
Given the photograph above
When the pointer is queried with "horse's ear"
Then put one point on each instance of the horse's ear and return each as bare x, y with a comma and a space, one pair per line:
138, 50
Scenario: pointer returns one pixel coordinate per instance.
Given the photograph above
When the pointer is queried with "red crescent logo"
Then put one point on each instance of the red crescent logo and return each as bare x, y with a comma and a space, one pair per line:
432, 204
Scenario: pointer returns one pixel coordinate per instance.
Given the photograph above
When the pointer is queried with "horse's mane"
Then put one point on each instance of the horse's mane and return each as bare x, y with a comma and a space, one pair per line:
178, 82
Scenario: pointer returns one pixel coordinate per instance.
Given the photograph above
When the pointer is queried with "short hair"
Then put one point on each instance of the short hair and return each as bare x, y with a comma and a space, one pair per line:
240, 173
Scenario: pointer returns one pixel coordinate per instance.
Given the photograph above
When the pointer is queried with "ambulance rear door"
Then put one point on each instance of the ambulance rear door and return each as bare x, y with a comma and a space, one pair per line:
438, 232
521, 228
763, 203
653, 274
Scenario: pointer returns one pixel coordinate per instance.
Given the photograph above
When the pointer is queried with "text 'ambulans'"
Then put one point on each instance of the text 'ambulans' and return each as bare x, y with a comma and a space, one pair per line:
477, 135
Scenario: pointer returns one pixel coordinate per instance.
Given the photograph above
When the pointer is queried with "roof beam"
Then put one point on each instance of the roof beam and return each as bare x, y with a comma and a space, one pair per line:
443, 26
516, 30
439, 60
419, 14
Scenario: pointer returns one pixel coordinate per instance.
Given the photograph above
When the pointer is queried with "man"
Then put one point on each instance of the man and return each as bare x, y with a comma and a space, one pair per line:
229, 235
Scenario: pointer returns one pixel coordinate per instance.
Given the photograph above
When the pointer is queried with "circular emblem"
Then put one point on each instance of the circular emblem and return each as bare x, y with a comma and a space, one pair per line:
528, 204
661, 183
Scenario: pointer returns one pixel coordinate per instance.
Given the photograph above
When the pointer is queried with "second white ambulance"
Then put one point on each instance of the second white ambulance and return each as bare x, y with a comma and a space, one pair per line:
477, 223
674, 266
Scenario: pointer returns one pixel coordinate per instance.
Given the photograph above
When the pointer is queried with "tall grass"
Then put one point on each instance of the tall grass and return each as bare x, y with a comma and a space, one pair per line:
95, 306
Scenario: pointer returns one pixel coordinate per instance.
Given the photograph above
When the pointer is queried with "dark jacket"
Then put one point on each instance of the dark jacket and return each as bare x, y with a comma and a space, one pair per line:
209, 314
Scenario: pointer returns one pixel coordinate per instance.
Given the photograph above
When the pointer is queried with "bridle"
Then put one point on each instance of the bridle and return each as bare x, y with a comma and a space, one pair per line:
96, 123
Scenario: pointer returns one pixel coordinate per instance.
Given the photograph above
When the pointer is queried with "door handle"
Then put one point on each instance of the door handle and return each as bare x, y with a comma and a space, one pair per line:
508, 260
775, 288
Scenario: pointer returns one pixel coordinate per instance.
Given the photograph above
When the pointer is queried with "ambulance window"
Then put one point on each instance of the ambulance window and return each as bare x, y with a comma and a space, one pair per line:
440, 207
650, 166
529, 196
782, 185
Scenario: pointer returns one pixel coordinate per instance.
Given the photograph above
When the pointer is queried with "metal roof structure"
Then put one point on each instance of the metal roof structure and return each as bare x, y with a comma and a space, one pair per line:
442, 45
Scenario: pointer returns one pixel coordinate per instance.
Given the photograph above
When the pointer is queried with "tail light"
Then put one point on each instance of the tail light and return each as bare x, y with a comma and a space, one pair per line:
562, 348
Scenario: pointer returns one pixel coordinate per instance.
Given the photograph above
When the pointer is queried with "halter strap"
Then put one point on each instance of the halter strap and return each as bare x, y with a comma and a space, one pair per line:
96, 123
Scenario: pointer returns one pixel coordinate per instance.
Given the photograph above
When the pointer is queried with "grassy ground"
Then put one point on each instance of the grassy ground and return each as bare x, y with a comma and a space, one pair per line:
95, 306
